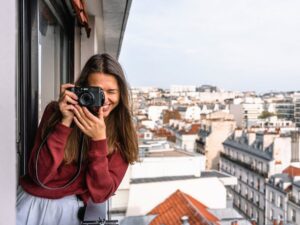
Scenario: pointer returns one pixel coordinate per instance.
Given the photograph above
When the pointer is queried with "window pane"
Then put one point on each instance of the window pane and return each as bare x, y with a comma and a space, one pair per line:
52, 56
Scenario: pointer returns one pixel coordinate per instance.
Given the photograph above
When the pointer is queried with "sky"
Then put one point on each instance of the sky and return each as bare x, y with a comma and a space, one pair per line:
236, 45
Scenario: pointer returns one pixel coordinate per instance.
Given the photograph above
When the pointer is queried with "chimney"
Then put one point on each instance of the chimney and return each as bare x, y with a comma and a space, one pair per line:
295, 147
275, 222
184, 220
253, 221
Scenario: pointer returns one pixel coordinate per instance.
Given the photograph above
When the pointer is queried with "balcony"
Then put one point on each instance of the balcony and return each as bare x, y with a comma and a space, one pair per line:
244, 165
294, 200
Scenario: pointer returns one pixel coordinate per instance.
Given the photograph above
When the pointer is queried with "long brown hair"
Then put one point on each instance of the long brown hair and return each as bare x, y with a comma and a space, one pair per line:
121, 134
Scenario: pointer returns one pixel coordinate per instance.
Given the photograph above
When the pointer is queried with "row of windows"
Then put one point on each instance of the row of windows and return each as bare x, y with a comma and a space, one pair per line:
248, 209
251, 179
276, 199
248, 159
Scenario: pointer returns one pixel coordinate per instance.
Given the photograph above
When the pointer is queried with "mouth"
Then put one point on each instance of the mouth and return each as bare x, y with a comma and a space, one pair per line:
106, 107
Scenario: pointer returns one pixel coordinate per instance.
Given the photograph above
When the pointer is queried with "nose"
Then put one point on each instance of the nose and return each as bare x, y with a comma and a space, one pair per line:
105, 97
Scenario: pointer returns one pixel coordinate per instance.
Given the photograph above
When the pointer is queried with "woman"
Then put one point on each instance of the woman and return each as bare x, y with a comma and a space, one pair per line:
109, 145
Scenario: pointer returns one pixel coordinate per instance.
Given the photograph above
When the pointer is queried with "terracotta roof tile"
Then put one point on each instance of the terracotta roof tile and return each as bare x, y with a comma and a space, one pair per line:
292, 171
180, 204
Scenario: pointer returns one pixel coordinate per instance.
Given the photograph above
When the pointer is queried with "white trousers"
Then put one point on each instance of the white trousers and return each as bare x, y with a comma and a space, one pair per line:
32, 210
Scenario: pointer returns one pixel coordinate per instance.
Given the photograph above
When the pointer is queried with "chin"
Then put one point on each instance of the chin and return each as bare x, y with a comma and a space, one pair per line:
105, 115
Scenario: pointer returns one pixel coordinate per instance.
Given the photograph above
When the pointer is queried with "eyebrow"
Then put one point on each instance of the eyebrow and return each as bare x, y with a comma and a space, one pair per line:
113, 89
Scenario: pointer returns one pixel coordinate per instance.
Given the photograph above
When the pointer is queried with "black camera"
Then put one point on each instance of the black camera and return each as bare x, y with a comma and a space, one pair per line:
90, 97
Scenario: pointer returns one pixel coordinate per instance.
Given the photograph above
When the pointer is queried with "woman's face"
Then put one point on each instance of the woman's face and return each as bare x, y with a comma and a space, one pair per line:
110, 86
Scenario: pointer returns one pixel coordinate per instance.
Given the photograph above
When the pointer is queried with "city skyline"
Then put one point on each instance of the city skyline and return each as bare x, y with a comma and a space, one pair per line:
234, 45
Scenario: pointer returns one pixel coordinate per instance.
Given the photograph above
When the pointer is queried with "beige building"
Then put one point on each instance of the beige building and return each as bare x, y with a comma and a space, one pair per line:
215, 129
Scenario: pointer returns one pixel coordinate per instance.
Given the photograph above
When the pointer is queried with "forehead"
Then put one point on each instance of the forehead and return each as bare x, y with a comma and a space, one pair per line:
105, 81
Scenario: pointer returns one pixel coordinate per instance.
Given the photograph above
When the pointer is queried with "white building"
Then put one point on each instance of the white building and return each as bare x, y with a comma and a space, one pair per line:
213, 97
192, 113
277, 197
186, 137
253, 157
162, 172
282, 197
181, 90
155, 112
159, 161
144, 194
246, 110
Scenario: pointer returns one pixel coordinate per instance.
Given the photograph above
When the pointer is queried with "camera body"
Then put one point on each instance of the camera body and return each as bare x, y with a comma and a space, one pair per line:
90, 97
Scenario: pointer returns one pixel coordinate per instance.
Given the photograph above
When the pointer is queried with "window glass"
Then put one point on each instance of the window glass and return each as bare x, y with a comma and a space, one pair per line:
52, 55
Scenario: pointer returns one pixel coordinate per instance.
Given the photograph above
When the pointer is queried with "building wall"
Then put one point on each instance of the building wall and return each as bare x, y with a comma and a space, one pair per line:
156, 167
220, 131
168, 166
275, 204
145, 196
238, 112
8, 62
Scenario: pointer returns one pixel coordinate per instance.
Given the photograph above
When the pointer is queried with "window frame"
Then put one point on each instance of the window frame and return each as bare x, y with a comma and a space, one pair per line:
27, 82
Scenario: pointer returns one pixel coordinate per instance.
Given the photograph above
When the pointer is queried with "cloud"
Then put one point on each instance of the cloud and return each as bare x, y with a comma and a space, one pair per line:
215, 38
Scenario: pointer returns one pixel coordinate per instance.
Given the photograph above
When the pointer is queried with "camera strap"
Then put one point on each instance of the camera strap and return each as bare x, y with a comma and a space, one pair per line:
95, 213
79, 165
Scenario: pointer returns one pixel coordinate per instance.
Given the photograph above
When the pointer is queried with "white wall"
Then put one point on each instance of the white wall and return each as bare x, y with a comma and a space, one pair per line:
88, 47
8, 57
168, 166
144, 197
154, 112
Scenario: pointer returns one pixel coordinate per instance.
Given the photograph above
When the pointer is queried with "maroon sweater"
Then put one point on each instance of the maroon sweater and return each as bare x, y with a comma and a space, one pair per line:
100, 175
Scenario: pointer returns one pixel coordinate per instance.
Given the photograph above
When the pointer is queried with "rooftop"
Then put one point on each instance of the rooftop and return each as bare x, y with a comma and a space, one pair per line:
172, 153
213, 173
160, 179
248, 149
292, 171
178, 205
203, 174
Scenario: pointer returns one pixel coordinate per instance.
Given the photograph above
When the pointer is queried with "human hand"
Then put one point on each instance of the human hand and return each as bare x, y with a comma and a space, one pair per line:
91, 125
66, 104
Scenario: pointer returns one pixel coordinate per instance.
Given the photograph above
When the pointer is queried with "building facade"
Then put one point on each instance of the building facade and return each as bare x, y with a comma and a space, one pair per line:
252, 157
214, 130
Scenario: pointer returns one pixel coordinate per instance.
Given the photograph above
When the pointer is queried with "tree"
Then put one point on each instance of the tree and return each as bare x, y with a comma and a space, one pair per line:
266, 114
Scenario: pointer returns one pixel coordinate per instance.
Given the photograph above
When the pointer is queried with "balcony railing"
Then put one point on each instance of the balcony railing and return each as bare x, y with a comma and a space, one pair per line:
294, 200
245, 165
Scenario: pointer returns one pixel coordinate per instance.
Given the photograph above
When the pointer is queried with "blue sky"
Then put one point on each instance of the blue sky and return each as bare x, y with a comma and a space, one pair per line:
234, 44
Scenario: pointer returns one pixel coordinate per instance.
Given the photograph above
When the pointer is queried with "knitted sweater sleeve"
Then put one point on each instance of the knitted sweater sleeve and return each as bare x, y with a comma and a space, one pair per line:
51, 153
104, 174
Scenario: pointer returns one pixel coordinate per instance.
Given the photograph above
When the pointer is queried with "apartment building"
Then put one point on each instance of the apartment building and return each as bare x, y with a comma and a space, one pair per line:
246, 110
285, 108
252, 157
277, 189
293, 205
283, 196
214, 130
186, 137
297, 111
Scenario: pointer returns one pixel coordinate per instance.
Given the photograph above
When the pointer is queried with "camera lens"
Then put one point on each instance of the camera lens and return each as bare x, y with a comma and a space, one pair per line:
86, 99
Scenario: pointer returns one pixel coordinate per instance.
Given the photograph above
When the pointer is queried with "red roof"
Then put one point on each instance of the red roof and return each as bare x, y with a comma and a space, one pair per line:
194, 129
178, 205
292, 171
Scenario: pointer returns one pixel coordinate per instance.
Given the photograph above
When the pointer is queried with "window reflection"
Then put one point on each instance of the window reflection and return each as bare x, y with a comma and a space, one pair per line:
52, 55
